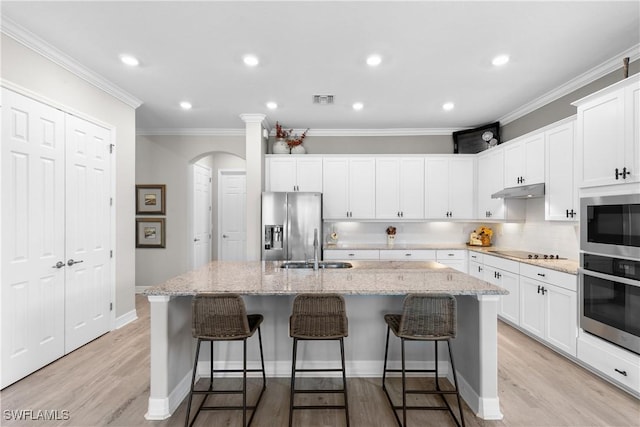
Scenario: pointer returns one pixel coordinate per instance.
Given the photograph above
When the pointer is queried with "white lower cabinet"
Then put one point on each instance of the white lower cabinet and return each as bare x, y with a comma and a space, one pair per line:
549, 312
456, 259
407, 255
505, 273
615, 363
346, 254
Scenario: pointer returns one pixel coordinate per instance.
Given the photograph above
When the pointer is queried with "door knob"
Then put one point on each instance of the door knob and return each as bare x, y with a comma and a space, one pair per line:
59, 264
71, 262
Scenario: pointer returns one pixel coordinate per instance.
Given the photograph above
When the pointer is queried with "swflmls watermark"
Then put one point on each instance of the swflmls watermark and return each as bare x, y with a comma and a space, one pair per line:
36, 415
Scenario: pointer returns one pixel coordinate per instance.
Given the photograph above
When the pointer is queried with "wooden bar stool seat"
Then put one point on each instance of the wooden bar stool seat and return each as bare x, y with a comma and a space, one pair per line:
318, 317
223, 317
425, 317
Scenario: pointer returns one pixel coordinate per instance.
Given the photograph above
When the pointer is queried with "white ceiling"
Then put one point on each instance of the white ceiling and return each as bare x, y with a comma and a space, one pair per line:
433, 52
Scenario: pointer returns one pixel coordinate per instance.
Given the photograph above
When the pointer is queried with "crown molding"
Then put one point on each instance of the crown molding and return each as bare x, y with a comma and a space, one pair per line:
582, 80
35, 43
191, 132
315, 132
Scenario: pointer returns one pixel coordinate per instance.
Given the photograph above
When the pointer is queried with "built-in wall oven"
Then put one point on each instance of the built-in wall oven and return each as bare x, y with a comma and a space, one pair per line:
610, 299
609, 274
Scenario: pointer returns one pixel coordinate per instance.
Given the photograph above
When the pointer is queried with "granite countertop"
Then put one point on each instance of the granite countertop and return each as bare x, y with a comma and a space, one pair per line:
365, 278
563, 265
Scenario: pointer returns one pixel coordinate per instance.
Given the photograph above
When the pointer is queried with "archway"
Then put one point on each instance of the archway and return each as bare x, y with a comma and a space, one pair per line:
216, 162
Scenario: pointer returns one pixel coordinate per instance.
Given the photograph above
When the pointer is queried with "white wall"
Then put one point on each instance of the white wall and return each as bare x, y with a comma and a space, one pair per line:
167, 160
24, 67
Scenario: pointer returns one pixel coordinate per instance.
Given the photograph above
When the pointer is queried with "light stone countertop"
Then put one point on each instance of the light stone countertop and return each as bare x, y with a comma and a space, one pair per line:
568, 266
365, 278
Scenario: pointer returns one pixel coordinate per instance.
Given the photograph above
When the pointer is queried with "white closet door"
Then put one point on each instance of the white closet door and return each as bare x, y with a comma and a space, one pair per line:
32, 210
232, 228
88, 210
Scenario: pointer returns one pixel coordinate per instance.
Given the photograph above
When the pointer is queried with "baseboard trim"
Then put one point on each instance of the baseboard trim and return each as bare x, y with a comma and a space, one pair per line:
163, 408
126, 318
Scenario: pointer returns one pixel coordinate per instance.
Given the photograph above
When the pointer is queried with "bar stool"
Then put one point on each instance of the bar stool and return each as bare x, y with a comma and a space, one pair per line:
425, 317
223, 317
318, 317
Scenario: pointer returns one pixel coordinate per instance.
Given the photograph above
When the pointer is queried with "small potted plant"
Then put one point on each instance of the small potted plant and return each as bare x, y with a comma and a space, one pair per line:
280, 145
295, 143
391, 235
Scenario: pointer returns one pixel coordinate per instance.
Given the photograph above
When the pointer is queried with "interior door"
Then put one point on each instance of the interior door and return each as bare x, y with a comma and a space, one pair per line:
32, 211
88, 219
232, 216
201, 215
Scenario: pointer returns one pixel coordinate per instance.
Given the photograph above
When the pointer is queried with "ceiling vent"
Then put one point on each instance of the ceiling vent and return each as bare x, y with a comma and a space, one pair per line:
323, 99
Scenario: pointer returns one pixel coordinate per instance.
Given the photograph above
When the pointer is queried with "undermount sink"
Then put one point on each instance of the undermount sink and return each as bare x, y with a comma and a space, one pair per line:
321, 264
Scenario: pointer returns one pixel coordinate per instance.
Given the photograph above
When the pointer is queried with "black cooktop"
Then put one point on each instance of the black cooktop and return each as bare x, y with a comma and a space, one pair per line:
527, 255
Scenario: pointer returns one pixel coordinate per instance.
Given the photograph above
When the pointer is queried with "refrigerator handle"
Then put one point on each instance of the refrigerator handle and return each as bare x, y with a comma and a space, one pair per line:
285, 238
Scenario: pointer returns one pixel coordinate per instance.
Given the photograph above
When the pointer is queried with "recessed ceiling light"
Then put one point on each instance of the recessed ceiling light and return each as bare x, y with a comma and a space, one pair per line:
448, 106
272, 105
358, 106
500, 60
129, 60
374, 60
251, 60
185, 105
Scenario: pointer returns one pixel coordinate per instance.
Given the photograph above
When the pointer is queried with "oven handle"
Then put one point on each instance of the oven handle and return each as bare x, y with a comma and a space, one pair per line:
623, 280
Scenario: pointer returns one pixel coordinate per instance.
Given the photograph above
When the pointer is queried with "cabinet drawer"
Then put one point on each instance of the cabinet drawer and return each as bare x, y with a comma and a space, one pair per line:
502, 263
342, 254
409, 255
558, 278
476, 257
443, 255
605, 358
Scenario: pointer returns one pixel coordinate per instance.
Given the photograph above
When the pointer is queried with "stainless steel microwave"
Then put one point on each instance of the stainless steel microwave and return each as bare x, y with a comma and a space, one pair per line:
610, 225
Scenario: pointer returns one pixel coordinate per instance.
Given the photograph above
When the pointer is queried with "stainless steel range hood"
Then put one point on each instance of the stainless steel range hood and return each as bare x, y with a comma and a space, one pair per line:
523, 192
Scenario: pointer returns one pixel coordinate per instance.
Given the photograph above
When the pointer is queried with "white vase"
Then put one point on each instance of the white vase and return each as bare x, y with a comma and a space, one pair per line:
298, 149
391, 239
280, 146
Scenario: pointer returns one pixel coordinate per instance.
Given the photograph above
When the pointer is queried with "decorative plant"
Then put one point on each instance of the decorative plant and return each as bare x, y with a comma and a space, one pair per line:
296, 140
484, 231
282, 133
391, 230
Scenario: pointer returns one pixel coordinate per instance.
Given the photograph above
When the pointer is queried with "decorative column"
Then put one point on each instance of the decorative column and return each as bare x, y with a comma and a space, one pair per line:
255, 149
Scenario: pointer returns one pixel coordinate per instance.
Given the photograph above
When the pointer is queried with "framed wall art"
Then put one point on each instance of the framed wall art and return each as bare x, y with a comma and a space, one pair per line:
150, 233
150, 199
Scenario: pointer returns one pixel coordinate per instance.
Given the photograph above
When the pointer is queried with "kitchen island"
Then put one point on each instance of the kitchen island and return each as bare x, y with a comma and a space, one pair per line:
371, 289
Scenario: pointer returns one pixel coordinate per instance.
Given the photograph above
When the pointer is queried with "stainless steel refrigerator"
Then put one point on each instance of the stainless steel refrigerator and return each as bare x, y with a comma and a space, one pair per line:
289, 221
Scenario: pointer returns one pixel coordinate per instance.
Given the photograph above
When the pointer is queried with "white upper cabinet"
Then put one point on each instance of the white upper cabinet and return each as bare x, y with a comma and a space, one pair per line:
349, 188
524, 161
608, 135
490, 180
295, 174
561, 193
399, 187
449, 187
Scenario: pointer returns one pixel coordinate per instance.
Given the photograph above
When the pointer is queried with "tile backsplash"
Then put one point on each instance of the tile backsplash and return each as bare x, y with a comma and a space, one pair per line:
535, 234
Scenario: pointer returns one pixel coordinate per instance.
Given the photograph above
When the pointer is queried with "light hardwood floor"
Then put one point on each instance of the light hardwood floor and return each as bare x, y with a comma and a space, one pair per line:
106, 383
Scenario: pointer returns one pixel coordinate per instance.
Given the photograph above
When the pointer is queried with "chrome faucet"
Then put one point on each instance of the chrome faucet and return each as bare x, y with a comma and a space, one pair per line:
315, 249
